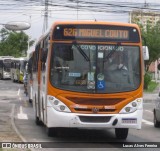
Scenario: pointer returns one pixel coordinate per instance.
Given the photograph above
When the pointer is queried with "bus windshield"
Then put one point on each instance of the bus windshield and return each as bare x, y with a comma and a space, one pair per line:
95, 68
7, 66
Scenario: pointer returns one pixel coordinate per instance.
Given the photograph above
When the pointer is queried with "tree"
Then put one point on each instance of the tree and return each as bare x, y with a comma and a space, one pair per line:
14, 43
151, 38
151, 34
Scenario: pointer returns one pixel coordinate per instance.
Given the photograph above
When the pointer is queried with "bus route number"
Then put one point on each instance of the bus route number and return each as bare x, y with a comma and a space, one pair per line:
96, 33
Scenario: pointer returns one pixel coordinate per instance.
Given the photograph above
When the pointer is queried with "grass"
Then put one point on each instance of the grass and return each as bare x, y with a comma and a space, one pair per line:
152, 86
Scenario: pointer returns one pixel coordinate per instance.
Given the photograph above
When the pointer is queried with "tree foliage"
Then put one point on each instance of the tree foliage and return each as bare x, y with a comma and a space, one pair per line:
151, 38
14, 43
151, 34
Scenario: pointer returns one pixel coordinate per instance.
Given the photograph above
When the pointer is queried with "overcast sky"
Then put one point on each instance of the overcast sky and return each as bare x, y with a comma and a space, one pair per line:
106, 10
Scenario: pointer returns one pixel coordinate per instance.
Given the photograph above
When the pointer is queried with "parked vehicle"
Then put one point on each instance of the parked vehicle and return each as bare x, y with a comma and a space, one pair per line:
156, 110
5, 67
18, 69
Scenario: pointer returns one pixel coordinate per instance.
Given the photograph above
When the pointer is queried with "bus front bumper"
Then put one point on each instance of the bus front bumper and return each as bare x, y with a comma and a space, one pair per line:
95, 121
6, 76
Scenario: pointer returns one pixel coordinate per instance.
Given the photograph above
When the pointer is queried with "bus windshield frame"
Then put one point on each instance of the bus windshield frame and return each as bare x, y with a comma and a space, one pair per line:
95, 68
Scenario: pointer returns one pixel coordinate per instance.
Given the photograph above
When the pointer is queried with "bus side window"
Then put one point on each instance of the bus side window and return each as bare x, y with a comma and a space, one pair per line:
43, 59
36, 58
1, 63
44, 53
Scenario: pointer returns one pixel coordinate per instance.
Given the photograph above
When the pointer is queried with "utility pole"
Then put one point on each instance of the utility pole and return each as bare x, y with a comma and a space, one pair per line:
45, 23
77, 9
145, 4
143, 11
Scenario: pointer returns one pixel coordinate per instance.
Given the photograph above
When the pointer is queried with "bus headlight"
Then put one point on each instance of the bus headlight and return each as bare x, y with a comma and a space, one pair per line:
58, 105
132, 106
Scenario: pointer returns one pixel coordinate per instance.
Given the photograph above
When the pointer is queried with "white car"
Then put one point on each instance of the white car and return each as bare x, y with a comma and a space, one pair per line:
156, 112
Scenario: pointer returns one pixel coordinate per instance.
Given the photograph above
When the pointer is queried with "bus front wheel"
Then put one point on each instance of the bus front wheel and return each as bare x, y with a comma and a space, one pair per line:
38, 122
121, 133
51, 132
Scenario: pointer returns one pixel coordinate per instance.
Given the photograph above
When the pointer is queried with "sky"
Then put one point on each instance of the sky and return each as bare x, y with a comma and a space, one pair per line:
33, 11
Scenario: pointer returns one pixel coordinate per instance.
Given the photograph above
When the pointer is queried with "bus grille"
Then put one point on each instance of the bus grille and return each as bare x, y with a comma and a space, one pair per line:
95, 105
95, 119
95, 101
90, 110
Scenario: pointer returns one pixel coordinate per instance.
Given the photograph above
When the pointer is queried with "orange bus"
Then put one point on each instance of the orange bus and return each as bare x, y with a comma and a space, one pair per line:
89, 74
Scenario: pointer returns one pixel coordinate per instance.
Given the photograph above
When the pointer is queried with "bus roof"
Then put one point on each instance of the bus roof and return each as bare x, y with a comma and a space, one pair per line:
93, 23
19, 59
6, 57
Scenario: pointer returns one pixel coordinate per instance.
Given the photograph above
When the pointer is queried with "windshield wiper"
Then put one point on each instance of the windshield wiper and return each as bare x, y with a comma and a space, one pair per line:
81, 51
112, 52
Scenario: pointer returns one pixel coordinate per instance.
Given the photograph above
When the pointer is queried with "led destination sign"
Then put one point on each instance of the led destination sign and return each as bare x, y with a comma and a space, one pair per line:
96, 33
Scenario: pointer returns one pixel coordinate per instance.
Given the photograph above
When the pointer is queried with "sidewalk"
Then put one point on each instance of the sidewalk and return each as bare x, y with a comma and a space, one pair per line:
151, 97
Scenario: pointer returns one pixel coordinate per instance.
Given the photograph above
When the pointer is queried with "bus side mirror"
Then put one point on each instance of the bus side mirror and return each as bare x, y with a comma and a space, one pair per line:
145, 53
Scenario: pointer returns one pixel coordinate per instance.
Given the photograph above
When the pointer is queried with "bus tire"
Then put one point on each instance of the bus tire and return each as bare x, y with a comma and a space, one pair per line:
51, 132
37, 120
121, 133
30, 100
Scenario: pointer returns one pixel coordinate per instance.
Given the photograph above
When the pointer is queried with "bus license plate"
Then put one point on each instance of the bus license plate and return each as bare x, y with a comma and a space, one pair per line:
129, 120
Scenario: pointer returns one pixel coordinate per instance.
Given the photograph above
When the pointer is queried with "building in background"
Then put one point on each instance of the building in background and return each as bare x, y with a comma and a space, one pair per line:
144, 17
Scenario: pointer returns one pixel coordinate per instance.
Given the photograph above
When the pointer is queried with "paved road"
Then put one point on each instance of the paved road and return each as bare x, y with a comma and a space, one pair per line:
17, 124
8, 101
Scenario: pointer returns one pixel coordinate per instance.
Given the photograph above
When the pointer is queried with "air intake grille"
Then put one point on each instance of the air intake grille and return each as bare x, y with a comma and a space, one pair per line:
95, 119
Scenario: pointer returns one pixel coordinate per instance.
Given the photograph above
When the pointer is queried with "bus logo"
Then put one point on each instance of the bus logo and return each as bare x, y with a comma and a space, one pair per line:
95, 110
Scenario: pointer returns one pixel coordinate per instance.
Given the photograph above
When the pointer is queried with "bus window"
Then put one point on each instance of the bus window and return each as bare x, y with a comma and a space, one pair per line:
5, 67
119, 71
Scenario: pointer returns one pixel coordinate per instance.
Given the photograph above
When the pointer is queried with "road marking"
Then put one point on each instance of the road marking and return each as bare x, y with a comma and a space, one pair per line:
147, 122
19, 90
21, 115
14, 125
149, 111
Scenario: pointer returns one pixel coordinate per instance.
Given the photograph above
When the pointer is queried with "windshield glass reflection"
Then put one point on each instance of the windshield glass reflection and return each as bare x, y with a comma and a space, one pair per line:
95, 68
